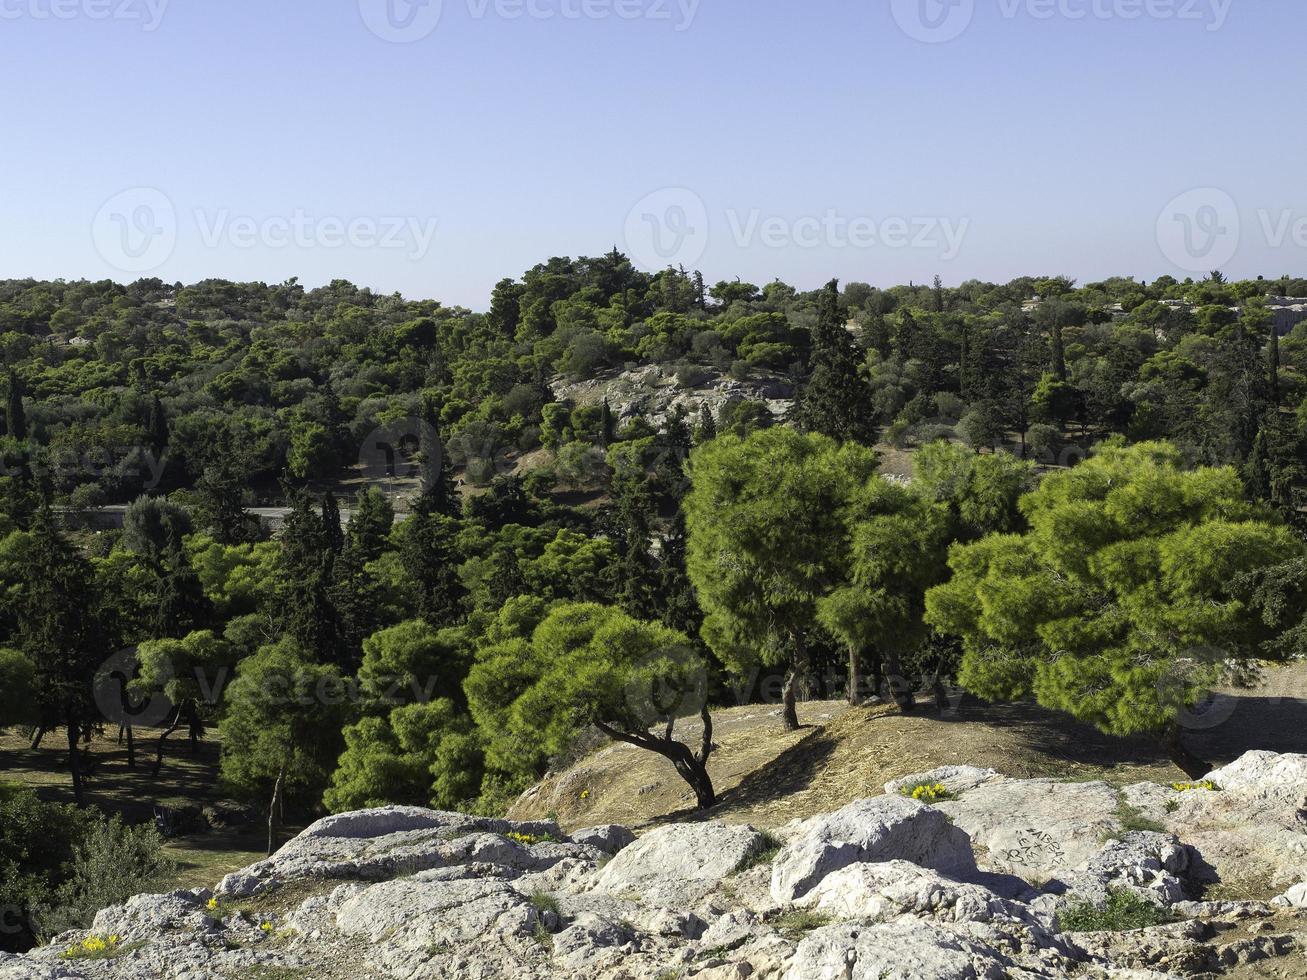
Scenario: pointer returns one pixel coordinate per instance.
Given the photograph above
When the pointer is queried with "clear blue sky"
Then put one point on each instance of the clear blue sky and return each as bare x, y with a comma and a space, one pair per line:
1053, 144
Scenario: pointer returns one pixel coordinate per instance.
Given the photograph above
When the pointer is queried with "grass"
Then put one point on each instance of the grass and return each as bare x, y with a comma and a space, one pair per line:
765, 853
1123, 911
276, 973
543, 902
1133, 820
800, 921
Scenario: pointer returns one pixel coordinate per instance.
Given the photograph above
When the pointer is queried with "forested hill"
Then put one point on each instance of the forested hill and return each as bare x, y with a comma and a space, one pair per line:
607, 569
259, 384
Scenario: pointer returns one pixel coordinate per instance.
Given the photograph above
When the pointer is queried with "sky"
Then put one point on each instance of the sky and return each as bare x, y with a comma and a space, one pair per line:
434, 149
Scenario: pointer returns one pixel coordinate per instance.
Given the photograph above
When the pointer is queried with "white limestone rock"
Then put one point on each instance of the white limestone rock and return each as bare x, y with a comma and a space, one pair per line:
679, 863
885, 828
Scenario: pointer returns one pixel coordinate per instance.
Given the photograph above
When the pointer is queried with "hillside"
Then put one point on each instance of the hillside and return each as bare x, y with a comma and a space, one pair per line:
767, 777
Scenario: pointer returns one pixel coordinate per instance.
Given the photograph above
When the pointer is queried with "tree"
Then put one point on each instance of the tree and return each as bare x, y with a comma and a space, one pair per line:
151, 523
595, 665
766, 518
15, 417
1119, 605
416, 743
707, 425
156, 424
220, 496
428, 547
17, 689
835, 401
279, 733
896, 540
982, 493
62, 633
187, 672
302, 598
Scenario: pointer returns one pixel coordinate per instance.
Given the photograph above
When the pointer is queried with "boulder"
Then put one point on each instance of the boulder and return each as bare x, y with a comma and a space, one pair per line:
886, 828
427, 910
1155, 866
1036, 828
880, 892
680, 863
610, 838
902, 950
1295, 897
386, 842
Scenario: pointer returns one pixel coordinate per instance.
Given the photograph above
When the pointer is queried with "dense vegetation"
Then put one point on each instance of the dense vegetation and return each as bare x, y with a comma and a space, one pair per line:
610, 572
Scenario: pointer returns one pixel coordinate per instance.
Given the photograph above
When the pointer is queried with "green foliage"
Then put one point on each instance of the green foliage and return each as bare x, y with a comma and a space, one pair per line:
1124, 910
1118, 604
583, 665
60, 864
765, 515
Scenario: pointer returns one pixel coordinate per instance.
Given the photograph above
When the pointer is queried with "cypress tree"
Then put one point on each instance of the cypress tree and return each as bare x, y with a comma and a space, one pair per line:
707, 425
835, 402
15, 417
439, 493
156, 424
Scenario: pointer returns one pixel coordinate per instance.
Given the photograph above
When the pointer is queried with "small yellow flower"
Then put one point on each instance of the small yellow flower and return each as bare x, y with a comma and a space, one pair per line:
1206, 786
585, 794
266, 926
212, 905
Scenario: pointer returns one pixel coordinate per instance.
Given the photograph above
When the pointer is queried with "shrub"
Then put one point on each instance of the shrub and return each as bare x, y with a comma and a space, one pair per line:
1123, 910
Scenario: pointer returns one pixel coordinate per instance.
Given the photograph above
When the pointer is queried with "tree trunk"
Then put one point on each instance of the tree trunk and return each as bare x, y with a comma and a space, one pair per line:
1185, 761
193, 724
131, 748
175, 724
696, 774
790, 713
274, 809
897, 685
36, 737
75, 764
798, 667
855, 678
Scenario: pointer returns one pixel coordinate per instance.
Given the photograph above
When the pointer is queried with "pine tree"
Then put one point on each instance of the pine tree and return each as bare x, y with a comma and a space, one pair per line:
1273, 367
835, 401
635, 512
1059, 354
304, 581
334, 534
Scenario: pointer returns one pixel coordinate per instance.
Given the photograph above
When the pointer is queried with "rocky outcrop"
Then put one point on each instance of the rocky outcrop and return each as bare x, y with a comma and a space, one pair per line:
884, 888
886, 828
